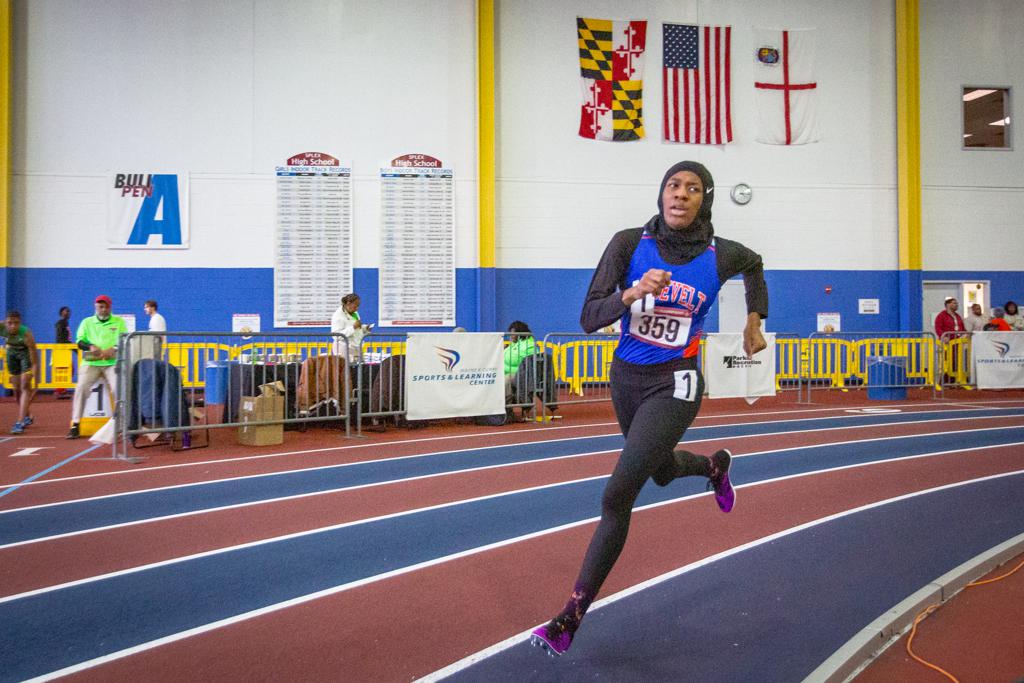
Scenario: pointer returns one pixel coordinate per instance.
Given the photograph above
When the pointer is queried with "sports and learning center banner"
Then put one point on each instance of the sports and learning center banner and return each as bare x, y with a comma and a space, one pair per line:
998, 359
147, 211
454, 375
730, 373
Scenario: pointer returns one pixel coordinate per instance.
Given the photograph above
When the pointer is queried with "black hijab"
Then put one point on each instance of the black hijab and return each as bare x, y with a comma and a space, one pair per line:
685, 244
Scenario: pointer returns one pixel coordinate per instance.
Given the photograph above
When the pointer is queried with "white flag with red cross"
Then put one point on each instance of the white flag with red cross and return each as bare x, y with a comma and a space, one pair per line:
785, 87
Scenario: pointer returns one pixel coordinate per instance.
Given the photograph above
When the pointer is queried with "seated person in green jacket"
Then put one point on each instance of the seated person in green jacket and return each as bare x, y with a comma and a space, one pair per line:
521, 345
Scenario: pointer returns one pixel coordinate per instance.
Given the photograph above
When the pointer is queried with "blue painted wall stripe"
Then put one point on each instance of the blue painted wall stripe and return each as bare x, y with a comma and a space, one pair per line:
548, 299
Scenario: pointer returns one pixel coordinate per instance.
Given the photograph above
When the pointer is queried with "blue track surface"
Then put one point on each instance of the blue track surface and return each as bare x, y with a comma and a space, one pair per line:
798, 599
31, 523
62, 627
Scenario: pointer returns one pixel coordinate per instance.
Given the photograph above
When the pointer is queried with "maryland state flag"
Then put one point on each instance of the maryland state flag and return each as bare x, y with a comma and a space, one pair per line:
611, 76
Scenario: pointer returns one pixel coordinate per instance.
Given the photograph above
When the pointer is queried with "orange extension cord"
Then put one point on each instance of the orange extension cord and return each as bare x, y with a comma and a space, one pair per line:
932, 608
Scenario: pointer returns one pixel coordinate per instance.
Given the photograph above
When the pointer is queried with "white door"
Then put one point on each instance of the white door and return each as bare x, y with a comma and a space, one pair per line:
933, 296
732, 306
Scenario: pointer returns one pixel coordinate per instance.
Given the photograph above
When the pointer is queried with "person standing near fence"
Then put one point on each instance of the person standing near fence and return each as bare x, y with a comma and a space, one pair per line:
347, 323
62, 328
975, 322
1013, 317
998, 322
62, 335
948, 322
97, 337
157, 323
659, 280
22, 360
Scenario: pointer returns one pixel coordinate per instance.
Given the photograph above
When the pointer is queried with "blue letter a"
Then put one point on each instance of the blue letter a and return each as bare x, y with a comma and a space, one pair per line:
165, 190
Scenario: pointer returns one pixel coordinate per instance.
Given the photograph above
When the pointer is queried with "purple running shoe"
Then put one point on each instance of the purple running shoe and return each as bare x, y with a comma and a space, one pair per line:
552, 637
718, 480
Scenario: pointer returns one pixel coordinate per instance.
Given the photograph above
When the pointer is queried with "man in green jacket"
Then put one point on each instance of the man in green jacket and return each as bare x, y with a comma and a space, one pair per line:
97, 337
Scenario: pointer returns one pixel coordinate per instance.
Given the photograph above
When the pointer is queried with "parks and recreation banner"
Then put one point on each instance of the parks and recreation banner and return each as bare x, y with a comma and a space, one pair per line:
147, 211
454, 375
998, 359
730, 373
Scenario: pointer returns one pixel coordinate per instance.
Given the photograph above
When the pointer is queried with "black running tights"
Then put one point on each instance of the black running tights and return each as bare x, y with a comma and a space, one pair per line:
653, 421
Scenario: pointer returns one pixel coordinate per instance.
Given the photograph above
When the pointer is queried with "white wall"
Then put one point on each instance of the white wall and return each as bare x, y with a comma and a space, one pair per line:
829, 205
225, 91
972, 200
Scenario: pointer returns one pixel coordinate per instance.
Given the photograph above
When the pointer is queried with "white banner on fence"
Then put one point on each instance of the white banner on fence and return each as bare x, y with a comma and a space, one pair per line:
729, 372
998, 359
454, 375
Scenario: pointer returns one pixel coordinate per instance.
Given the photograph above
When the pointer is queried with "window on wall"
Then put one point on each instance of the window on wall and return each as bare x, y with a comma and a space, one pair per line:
986, 117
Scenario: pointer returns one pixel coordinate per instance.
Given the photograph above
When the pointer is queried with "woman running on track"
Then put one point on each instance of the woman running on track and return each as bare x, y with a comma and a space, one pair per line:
660, 280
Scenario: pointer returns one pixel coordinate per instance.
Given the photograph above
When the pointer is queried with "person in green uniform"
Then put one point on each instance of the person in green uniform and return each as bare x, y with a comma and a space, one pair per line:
520, 345
97, 337
22, 359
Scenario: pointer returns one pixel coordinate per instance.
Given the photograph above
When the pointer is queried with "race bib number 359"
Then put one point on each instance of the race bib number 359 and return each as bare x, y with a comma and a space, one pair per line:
666, 327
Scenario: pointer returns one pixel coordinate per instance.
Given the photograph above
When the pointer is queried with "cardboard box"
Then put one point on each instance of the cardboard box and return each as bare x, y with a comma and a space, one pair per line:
269, 405
214, 414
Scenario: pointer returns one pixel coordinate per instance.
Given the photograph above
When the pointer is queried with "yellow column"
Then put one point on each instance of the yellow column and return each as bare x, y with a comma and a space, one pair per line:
5, 131
485, 104
908, 161
485, 274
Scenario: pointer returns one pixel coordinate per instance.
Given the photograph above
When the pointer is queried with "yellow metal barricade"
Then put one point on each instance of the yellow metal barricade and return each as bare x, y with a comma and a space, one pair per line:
956, 359
581, 362
55, 370
191, 359
829, 359
790, 356
919, 352
584, 362
382, 348
62, 365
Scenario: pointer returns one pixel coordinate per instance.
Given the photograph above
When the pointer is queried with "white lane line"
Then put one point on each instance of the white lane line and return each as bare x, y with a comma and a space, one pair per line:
342, 489
477, 657
438, 506
285, 537
14, 487
462, 664
447, 452
470, 470
700, 418
378, 461
329, 449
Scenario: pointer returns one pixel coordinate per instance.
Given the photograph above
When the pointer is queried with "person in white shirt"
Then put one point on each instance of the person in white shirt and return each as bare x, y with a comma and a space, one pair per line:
975, 322
156, 321
1013, 317
156, 324
346, 322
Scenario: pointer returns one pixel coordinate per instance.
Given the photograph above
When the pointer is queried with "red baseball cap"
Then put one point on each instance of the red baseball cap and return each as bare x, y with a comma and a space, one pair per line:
103, 299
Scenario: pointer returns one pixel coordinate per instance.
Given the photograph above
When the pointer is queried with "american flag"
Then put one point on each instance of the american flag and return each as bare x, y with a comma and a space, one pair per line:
695, 81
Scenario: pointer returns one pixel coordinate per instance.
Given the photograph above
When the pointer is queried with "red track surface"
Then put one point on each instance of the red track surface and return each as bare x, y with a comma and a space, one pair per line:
414, 623
394, 629
99, 552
